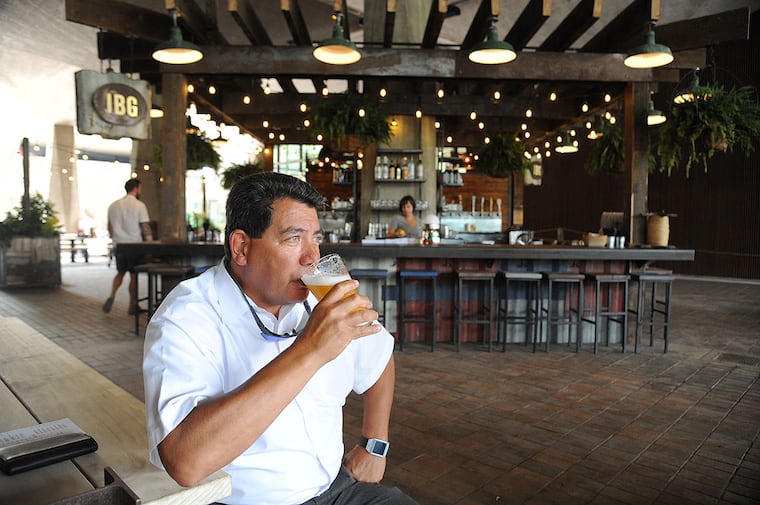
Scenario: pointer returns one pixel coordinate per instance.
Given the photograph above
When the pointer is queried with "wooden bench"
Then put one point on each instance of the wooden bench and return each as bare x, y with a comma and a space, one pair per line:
42, 382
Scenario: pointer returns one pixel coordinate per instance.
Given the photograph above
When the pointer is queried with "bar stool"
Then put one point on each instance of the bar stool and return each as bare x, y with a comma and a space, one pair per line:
572, 283
379, 275
606, 286
648, 308
529, 317
405, 317
485, 313
162, 278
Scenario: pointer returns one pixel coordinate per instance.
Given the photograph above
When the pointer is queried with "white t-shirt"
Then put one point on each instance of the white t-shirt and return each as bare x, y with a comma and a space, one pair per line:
125, 216
203, 342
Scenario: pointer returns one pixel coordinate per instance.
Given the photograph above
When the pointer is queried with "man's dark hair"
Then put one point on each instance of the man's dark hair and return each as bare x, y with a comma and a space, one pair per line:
131, 184
404, 201
249, 203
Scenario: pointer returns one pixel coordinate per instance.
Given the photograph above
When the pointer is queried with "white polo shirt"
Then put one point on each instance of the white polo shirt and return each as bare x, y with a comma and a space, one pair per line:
203, 342
125, 216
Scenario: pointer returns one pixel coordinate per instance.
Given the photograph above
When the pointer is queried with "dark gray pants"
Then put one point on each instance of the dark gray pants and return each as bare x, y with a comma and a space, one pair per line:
347, 491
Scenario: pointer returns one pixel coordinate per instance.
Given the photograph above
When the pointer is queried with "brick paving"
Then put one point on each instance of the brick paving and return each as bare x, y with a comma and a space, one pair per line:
517, 427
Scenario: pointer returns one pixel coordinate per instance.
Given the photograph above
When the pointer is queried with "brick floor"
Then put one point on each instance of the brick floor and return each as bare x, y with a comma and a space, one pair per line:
517, 427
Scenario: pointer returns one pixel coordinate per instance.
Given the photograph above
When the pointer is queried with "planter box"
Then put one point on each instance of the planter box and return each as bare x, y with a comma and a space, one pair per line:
31, 262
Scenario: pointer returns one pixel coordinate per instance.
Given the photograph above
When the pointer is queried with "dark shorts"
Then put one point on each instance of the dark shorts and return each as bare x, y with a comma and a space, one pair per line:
128, 263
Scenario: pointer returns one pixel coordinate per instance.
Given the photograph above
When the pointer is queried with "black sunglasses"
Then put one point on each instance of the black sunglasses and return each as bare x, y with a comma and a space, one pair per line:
274, 337
268, 334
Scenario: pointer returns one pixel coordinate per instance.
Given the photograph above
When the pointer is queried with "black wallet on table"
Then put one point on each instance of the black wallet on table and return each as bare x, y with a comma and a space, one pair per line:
44, 444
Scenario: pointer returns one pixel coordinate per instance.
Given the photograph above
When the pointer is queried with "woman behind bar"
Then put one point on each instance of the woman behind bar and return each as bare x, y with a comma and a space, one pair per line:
406, 224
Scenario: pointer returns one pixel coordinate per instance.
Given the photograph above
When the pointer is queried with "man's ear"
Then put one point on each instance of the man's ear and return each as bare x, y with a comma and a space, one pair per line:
239, 242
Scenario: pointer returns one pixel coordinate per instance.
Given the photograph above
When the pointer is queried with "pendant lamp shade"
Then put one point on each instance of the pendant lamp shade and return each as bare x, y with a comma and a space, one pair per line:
492, 51
649, 55
568, 145
654, 116
176, 50
337, 50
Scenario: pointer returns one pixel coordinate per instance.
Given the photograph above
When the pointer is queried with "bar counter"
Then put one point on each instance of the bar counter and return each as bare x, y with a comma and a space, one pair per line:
444, 258
509, 252
210, 251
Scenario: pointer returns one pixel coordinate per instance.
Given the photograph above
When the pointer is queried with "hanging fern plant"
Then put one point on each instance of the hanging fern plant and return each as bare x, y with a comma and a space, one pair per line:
234, 173
337, 118
504, 155
200, 153
607, 152
715, 120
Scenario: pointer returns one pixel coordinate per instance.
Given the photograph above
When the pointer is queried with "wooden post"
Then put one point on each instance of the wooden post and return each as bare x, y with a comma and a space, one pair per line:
171, 224
636, 160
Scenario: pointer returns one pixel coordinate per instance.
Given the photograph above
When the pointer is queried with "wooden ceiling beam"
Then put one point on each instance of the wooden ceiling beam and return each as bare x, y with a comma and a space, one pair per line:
416, 63
249, 22
406, 103
705, 31
532, 18
296, 24
120, 17
390, 22
619, 35
200, 24
481, 22
575, 24
437, 15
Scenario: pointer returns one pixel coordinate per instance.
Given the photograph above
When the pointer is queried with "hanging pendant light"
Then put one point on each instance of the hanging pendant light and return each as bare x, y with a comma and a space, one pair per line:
693, 92
650, 54
567, 145
654, 116
492, 51
176, 50
337, 50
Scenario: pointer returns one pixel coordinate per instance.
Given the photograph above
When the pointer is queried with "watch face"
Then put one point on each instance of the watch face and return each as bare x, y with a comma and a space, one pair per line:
379, 448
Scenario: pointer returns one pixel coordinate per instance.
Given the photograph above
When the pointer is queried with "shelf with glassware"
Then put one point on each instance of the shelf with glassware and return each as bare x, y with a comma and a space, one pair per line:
399, 165
339, 184
398, 172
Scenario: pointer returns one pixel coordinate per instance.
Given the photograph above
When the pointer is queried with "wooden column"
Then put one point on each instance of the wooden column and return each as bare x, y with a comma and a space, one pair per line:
171, 221
636, 160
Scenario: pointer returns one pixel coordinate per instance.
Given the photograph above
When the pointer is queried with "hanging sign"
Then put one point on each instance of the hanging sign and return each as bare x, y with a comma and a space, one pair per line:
112, 105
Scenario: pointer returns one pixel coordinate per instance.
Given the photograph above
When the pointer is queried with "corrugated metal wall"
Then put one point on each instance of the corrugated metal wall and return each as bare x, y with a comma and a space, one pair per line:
718, 213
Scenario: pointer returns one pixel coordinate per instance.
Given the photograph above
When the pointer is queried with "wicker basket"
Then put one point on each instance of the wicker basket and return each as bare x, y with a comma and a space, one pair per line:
595, 239
658, 230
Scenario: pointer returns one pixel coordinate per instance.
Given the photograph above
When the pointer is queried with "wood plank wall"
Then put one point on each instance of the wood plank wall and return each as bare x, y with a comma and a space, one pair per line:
718, 213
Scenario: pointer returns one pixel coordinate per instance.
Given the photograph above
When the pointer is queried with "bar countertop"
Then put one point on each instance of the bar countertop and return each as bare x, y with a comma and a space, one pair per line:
467, 251
501, 251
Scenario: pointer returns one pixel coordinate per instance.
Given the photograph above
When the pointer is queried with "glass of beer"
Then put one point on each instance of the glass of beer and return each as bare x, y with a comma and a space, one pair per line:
324, 274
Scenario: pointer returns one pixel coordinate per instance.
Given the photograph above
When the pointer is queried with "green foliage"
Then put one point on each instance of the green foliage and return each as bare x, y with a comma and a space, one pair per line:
337, 117
200, 153
607, 152
716, 120
503, 155
41, 220
234, 173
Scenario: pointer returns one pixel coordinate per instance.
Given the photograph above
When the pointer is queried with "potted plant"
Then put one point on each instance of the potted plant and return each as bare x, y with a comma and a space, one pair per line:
715, 119
607, 151
502, 156
30, 249
338, 120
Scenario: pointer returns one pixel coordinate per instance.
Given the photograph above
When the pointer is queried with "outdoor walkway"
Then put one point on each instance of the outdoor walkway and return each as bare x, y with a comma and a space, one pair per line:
506, 428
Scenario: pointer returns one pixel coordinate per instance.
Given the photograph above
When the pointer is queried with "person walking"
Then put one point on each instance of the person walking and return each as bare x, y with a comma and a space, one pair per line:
128, 221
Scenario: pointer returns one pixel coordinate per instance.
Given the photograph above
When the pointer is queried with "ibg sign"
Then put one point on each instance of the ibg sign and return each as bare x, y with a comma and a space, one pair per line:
112, 105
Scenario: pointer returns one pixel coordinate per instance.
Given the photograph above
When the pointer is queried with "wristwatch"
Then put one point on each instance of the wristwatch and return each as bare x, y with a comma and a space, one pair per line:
375, 446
